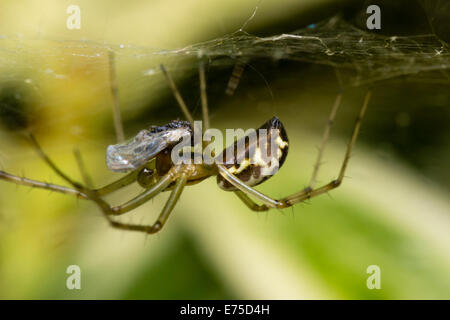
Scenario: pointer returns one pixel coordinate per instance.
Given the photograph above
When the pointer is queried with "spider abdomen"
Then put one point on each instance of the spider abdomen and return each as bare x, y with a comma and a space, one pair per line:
254, 159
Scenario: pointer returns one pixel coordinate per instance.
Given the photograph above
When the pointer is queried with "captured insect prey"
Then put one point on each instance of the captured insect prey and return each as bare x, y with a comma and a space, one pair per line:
146, 146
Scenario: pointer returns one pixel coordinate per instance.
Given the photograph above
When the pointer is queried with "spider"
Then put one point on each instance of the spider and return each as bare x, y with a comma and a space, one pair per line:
147, 160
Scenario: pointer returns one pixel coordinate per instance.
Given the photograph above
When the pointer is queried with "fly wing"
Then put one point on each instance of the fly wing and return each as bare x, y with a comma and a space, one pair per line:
146, 145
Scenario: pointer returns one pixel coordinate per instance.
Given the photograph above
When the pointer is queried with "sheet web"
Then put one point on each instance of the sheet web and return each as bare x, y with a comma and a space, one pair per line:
361, 57
332, 42
369, 57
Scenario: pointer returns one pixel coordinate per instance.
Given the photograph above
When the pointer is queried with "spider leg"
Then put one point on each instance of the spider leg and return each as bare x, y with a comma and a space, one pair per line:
204, 98
160, 186
177, 95
81, 166
249, 202
118, 184
122, 182
39, 184
269, 202
164, 215
50, 163
302, 195
115, 95
235, 77
324, 141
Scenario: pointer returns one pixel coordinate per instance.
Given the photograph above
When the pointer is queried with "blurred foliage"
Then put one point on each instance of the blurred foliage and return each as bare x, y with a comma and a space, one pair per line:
392, 210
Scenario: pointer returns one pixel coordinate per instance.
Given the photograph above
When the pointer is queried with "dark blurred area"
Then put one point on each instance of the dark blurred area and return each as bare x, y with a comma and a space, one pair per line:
16, 106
